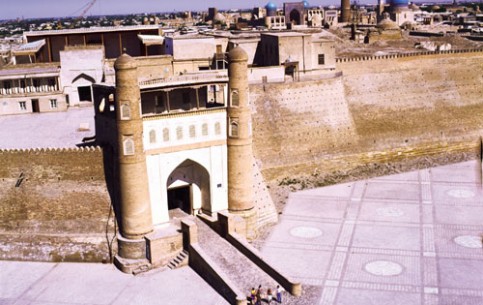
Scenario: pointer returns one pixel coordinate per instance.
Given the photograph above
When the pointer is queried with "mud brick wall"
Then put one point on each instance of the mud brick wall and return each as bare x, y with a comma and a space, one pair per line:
54, 205
401, 107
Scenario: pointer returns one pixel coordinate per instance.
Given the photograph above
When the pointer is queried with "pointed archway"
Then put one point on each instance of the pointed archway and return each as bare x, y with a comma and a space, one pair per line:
84, 82
188, 188
295, 17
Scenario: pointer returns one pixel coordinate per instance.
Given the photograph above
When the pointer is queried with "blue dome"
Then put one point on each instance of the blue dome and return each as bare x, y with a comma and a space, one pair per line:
306, 4
271, 6
399, 3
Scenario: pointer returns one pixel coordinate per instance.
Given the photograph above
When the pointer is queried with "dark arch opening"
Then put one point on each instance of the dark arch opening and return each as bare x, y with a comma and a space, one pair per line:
188, 188
295, 17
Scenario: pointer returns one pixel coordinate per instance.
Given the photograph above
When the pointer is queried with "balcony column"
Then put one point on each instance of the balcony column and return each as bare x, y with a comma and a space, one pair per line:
167, 101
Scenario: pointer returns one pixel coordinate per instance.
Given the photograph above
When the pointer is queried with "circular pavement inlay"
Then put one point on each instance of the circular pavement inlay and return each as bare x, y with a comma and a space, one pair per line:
460, 193
469, 241
305, 232
390, 212
383, 268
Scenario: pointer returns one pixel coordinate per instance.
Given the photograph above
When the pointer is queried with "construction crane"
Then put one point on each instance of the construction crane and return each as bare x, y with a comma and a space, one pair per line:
88, 7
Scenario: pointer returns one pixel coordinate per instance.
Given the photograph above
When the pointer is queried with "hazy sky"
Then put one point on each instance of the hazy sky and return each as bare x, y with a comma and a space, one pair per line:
11, 9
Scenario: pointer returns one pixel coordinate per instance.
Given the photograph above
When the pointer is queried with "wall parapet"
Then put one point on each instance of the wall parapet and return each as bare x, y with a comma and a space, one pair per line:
50, 150
403, 55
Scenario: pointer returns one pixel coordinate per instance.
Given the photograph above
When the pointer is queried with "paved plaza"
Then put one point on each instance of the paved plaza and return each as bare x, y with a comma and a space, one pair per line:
28, 283
412, 238
54, 129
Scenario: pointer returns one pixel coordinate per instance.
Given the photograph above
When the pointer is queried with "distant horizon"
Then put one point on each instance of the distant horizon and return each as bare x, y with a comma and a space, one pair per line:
35, 9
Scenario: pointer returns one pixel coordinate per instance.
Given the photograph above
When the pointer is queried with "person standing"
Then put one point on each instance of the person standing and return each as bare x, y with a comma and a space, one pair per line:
253, 294
259, 295
279, 294
269, 296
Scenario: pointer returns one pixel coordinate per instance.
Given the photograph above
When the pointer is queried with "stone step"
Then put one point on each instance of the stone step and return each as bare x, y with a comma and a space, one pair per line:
179, 260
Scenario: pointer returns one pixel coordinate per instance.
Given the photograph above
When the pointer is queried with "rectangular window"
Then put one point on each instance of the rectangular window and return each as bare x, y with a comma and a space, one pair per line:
53, 104
22, 105
321, 59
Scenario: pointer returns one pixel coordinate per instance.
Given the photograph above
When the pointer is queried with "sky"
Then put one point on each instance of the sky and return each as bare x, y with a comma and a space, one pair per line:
12, 9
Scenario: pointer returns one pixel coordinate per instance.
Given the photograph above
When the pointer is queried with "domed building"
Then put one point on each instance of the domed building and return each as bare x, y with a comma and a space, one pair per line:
399, 11
386, 29
271, 9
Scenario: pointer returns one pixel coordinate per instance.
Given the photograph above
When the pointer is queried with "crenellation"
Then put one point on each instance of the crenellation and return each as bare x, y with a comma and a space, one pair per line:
403, 55
51, 150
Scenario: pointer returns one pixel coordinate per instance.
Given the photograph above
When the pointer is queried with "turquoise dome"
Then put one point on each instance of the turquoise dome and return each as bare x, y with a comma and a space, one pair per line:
306, 4
271, 6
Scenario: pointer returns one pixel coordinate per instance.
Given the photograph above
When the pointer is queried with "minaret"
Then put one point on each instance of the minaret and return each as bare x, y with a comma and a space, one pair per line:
239, 143
135, 206
345, 10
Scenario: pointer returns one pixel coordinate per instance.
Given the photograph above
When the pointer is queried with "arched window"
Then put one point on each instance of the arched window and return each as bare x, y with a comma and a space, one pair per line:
192, 131
235, 98
152, 136
234, 128
125, 112
166, 135
179, 133
128, 146
217, 128
204, 129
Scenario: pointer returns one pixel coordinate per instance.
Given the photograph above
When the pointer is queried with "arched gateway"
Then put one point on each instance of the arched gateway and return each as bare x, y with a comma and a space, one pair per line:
194, 165
189, 188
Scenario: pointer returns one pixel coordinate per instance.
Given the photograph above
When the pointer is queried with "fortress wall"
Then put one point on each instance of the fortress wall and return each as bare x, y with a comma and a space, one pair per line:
411, 100
59, 210
298, 122
403, 108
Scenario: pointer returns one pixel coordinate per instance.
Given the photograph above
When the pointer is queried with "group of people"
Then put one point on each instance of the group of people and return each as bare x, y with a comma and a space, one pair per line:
256, 295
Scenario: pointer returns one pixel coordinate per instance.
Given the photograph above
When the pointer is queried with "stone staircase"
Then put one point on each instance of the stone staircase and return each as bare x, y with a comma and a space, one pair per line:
239, 269
180, 260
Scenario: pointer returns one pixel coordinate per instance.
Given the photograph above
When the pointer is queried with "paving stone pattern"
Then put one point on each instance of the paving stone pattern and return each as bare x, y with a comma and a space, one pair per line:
411, 238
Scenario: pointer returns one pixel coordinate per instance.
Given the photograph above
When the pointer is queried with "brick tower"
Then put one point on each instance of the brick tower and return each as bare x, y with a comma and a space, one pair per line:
345, 7
239, 143
135, 206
